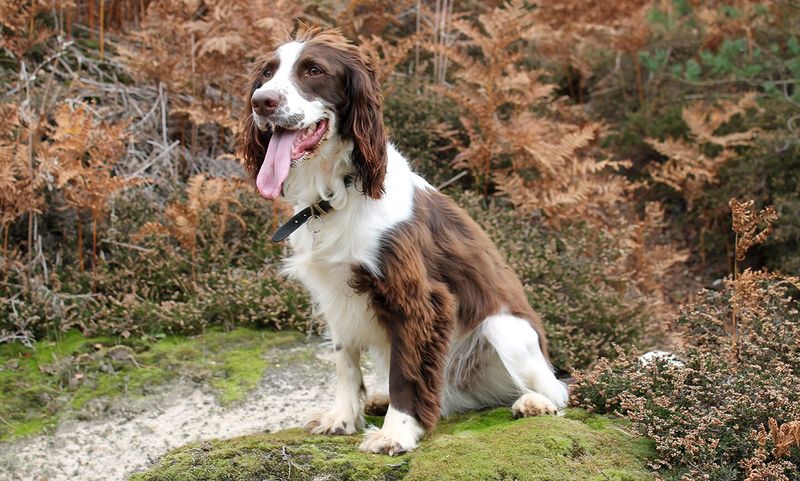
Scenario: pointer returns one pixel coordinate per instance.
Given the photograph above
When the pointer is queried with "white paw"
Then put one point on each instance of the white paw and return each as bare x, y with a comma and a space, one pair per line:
533, 404
400, 434
380, 442
334, 422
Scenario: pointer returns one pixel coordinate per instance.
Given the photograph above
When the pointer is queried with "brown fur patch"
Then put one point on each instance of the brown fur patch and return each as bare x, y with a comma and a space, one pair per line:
251, 143
376, 405
440, 272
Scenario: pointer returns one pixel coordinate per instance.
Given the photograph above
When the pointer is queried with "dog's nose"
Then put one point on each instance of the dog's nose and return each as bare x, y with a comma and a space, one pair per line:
265, 102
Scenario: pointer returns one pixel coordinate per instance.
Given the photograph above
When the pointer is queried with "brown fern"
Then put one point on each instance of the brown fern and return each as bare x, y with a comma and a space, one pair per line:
185, 218
21, 182
688, 169
82, 155
746, 224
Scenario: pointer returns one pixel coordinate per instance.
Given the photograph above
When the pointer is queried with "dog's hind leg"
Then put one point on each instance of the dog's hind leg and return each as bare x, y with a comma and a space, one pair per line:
377, 402
517, 345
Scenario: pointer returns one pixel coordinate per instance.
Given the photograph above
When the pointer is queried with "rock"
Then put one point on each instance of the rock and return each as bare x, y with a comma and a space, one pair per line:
121, 354
473, 446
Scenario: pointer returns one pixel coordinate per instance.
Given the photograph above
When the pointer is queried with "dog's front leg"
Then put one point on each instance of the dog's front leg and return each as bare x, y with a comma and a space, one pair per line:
345, 417
401, 429
419, 317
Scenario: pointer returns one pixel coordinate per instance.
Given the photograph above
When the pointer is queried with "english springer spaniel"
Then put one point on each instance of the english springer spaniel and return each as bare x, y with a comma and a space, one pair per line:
393, 265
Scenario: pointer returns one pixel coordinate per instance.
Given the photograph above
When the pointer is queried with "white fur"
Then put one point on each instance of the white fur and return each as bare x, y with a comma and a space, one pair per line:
345, 417
533, 404
323, 262
517, 345
400, 433
506, 351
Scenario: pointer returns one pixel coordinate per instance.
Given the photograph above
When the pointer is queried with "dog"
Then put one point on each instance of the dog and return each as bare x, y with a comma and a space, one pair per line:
394, 266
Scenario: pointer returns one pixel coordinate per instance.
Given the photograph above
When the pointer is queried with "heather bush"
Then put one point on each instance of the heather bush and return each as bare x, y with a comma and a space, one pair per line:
726, 408
418, 120
152, 284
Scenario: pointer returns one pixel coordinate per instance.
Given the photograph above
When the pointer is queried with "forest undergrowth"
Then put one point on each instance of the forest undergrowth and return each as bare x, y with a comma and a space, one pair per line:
599, 147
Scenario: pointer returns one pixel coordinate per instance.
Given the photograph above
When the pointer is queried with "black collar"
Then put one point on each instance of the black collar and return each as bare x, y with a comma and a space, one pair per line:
314, 210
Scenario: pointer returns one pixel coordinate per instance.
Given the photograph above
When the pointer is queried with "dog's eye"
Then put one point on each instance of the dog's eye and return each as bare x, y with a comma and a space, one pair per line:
267, 73
314, 71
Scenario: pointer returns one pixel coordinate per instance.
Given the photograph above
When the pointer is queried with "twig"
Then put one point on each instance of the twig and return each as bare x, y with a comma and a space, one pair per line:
163, 97
787, 96
150, 112
129, 246
23, 74
164, 152
451, 180
32, 75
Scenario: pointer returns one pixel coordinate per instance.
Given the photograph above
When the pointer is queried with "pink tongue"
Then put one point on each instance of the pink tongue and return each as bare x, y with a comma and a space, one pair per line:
276, 163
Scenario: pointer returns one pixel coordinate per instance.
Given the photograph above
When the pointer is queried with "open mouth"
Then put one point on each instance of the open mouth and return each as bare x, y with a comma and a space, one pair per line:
286, 149
308, 141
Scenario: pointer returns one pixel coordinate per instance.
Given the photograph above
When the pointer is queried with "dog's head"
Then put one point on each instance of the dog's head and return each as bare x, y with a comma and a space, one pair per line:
312, 101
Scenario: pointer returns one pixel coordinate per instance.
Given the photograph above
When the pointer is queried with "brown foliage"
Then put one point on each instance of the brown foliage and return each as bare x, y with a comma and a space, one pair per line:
362, 18
784, 437
22, 26
538, 160
543, 155
688, 169
706, 410
187, 46
185, 218
746, 223
387, 56
20, 183
81, 156
569, 31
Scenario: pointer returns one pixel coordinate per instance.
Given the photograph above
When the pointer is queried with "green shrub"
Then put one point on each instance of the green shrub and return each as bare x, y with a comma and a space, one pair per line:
702, 52
417, 118
147, 286
705, 411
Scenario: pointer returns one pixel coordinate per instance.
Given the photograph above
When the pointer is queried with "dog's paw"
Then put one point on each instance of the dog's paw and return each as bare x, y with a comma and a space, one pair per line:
334, 422
380, 441
400, 433
377, 405
533, 404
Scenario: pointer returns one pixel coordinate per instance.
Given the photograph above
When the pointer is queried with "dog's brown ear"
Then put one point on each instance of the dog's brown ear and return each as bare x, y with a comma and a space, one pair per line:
251, 143
364, 124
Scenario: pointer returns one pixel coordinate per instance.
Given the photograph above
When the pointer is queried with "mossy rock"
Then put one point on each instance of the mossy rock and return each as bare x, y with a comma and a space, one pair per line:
488, 445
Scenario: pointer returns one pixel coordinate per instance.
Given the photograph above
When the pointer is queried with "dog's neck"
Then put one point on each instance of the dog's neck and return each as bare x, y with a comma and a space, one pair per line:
322, 177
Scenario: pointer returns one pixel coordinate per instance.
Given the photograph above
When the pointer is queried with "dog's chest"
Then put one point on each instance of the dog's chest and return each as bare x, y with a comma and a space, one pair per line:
323, 263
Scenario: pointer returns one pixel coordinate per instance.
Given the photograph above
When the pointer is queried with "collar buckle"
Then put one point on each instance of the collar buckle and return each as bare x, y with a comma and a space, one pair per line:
314, 210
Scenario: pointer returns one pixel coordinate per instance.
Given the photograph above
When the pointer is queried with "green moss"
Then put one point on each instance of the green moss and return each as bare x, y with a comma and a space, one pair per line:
242, 372
38, 385
487, 446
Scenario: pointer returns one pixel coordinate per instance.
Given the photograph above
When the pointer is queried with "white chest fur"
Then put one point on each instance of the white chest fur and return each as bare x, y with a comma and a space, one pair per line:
348, 237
